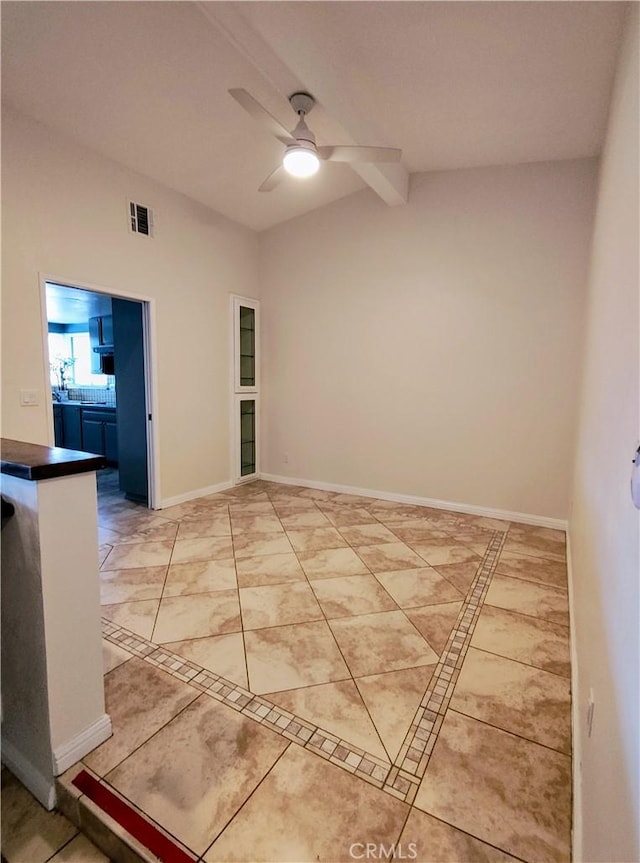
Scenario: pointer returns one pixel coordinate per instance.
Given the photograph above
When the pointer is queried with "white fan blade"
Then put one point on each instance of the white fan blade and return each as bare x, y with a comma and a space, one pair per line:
246, 101
359, 154
274, 179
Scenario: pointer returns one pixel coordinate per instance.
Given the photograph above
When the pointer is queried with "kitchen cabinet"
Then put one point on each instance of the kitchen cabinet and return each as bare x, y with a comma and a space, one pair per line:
67, 426
58, 431
100, 433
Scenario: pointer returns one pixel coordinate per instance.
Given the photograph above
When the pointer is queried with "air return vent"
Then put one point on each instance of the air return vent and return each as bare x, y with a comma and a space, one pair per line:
141, 219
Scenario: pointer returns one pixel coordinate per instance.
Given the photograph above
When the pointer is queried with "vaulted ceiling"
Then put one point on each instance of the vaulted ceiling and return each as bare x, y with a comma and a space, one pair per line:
454, 84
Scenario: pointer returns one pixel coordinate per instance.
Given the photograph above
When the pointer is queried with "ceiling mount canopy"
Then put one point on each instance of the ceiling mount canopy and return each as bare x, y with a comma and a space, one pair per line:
302, 156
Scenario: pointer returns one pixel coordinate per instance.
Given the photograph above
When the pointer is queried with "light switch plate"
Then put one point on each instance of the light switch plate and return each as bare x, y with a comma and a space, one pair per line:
29, 398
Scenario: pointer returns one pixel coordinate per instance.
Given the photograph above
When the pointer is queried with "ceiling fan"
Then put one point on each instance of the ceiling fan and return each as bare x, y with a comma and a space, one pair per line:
302, 157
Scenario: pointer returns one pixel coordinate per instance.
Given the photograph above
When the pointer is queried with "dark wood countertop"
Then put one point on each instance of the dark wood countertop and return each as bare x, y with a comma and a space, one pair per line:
34, 462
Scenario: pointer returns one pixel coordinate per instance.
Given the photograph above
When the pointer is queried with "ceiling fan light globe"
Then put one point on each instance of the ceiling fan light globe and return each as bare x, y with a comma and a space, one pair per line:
300, 162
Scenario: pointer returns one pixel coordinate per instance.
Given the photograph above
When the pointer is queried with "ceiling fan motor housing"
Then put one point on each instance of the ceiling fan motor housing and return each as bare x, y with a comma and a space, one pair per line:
301, 103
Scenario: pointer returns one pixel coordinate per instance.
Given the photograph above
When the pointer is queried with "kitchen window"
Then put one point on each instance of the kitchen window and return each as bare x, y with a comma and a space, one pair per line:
77, 347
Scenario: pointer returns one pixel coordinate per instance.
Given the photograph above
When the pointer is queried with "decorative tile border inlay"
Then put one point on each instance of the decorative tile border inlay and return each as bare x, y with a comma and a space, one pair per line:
340, 752
412, 760
401, 779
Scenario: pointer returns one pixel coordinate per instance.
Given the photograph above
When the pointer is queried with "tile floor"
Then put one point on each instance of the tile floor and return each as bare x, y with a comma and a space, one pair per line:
292, 674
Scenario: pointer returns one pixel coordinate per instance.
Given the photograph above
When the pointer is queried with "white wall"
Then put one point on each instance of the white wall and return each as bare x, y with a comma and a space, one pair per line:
604, 526
64, 214
432, 349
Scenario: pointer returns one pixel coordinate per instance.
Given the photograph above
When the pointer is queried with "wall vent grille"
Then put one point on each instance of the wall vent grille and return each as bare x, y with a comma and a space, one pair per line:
140, 219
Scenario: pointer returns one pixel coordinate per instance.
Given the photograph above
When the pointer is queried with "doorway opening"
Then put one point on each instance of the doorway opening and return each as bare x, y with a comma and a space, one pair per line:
97, 350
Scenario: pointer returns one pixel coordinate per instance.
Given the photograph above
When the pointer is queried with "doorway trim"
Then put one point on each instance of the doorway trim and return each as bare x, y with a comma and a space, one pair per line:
149, 333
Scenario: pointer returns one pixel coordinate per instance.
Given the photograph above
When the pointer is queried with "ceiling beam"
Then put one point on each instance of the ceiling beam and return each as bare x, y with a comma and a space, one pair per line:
288, 67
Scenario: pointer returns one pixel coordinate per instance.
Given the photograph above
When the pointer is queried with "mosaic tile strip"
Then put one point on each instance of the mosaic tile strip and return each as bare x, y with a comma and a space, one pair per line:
412, 760
368, 767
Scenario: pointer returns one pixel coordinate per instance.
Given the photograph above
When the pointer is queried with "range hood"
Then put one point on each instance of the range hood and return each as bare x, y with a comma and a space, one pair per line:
101, 341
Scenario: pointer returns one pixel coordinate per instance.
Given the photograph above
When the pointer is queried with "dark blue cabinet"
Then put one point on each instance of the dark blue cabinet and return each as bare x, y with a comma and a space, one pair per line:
67, 426
100, 433
58, 429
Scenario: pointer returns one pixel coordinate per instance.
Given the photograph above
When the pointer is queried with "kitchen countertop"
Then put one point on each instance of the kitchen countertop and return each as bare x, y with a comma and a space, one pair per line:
77, 404
34, 462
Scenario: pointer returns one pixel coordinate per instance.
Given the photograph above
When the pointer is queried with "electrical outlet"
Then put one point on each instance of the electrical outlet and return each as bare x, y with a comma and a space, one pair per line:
29, 398
285, 458
591, 705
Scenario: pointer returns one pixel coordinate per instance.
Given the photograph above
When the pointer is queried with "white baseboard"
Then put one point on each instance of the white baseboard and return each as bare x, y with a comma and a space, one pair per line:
42, 787
468, 509
192, 495
576, 738
70, 753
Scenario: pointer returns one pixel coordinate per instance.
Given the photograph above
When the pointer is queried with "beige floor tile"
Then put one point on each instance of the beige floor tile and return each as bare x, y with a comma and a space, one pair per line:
195, 510
441, 551
392, 700
433, 841
138, 616
541, 534
129, 522
343, 516
258, 507
415, 587
537, 542
201, 576
352, 500
157, 533
504, 790
515, 697
195, 774
221, 654
79, 850
316, 494
417, 531
138, 555
126, 585
368, 534
268, 569
552, 572
374, 643
473, 537
351, 594
216, 525
285, 507
103, 552
288, 657
140, 699
461, 575
256, 524
526, 639
315, 538
109, 537
336, 708
331, 562
435, 622
197, 616
205, 548
112, 656
324, 812
278, 605
30, 834
258, 544
525, 597
390, 557
306, 519
390, 513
